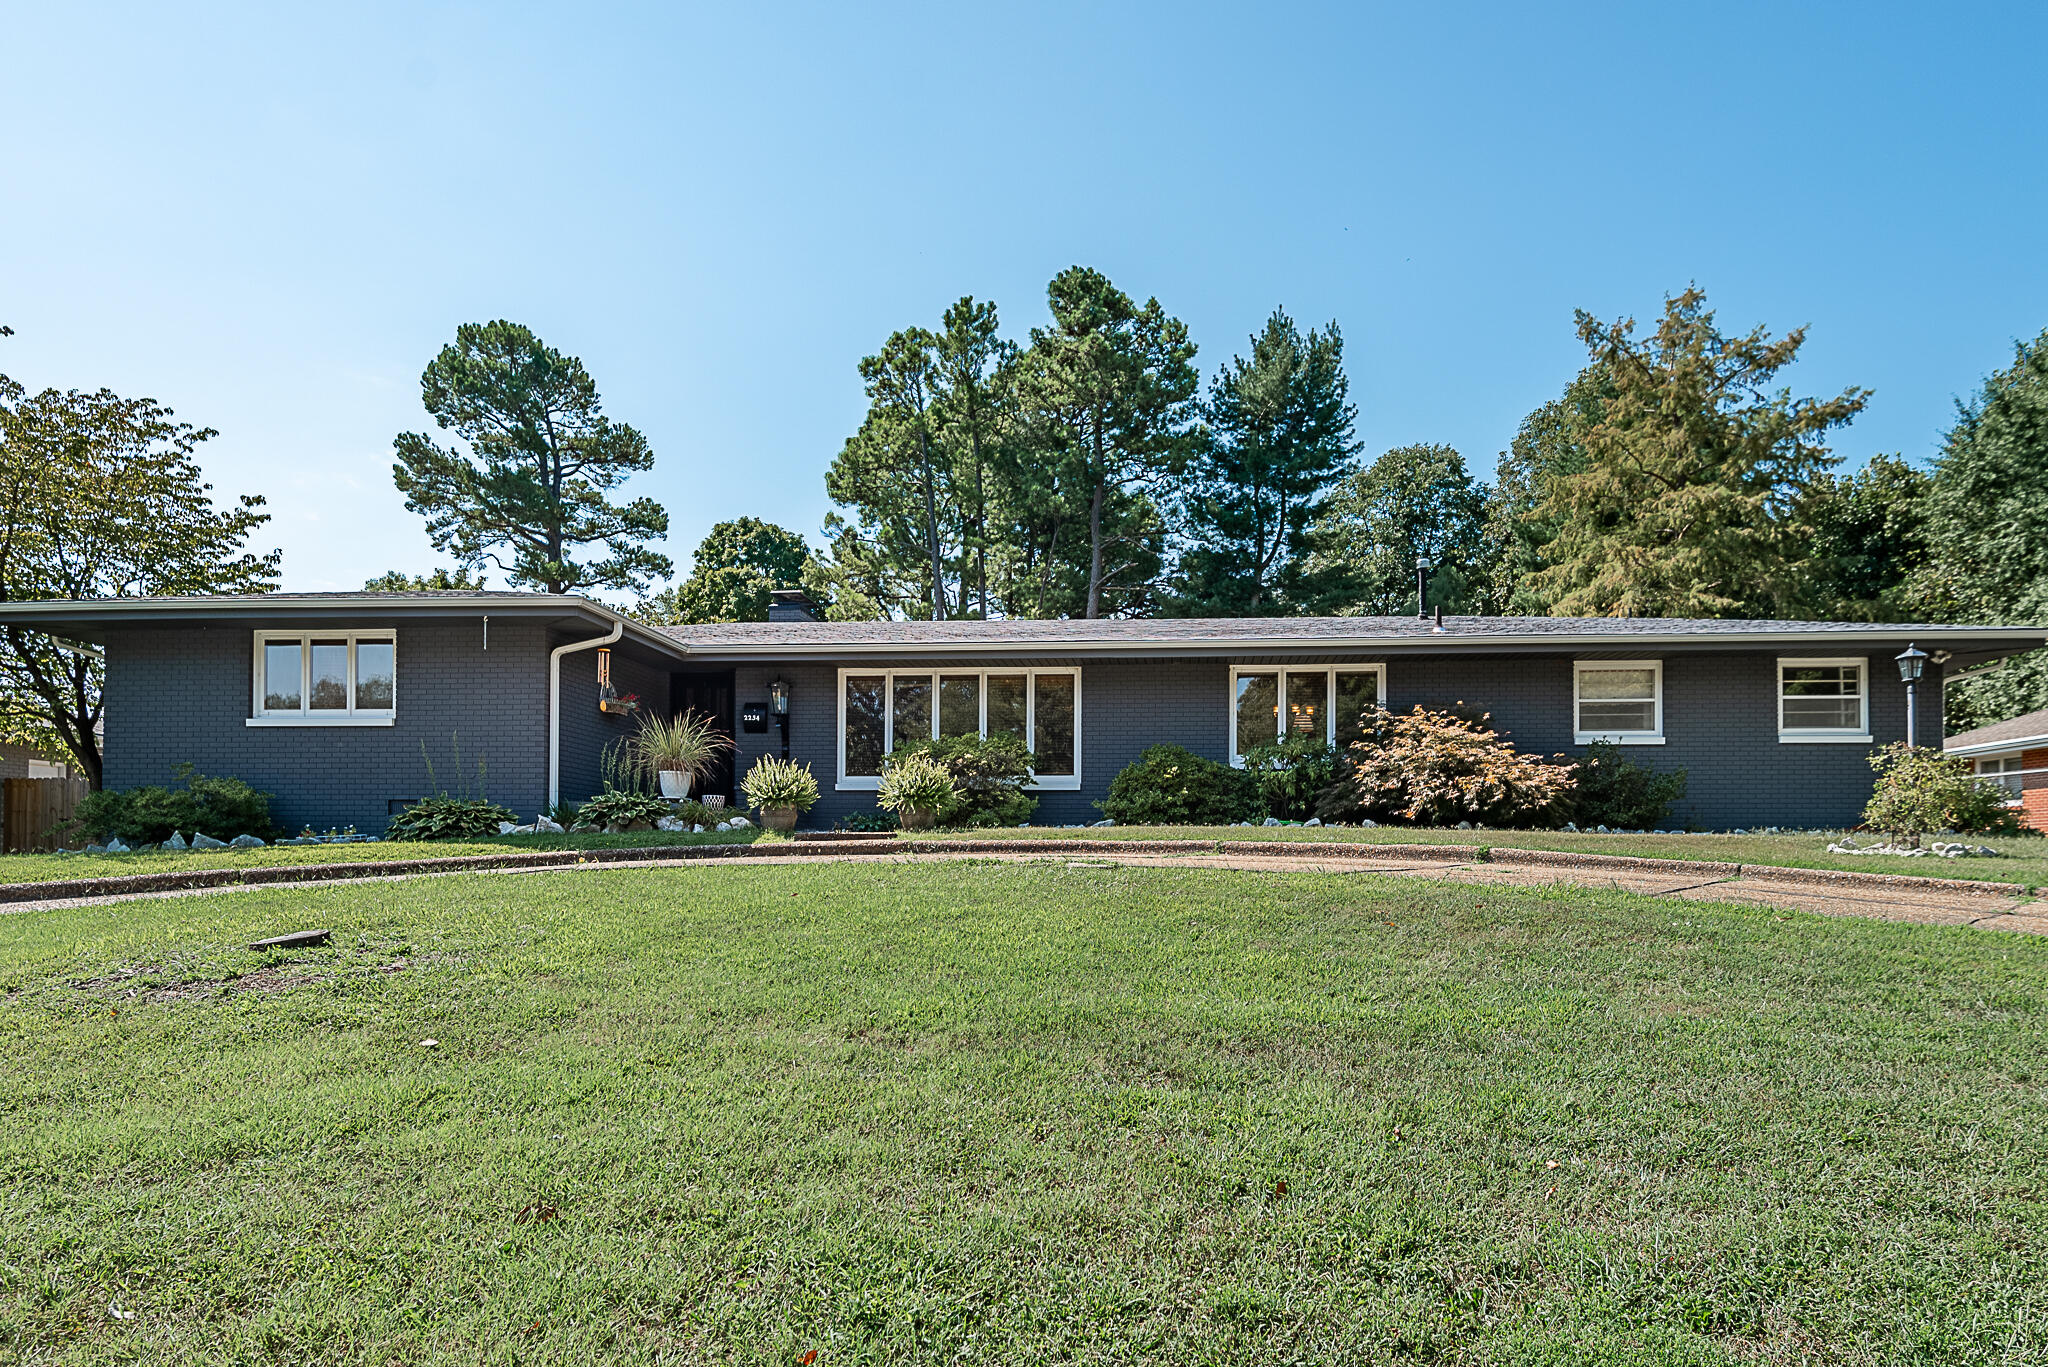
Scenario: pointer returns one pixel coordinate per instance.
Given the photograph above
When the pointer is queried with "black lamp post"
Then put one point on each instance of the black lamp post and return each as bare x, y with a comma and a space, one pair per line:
778, 704
1912, 663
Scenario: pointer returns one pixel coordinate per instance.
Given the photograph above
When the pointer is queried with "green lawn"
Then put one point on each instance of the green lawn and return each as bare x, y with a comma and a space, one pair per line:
1015, 1114
2023, 859
44, 868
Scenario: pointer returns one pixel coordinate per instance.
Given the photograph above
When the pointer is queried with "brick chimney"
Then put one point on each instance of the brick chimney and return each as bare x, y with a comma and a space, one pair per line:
791, 605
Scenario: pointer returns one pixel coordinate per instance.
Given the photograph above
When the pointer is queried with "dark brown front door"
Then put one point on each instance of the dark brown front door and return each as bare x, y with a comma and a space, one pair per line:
709, 693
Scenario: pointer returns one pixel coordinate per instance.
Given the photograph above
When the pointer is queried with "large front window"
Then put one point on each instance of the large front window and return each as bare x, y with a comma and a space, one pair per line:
1821, 700
325, 678
1619, 700
1270, 702
2008, 773
881, 709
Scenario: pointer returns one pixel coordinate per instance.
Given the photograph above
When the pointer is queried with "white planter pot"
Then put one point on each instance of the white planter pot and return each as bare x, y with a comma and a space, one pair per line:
675, 783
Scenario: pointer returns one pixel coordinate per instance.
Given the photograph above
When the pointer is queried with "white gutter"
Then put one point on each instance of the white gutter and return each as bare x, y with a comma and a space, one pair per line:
1190, 645
555, 704
1992, 747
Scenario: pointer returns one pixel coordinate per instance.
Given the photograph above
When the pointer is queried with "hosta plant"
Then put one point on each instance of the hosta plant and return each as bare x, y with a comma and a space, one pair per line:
446, 816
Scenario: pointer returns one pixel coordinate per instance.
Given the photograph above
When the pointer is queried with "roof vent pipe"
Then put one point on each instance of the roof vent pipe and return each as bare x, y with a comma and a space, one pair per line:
1439, 617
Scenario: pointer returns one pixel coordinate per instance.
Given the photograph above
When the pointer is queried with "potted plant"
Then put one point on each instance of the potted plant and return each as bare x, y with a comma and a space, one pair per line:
674, 750
915, 787
781, 791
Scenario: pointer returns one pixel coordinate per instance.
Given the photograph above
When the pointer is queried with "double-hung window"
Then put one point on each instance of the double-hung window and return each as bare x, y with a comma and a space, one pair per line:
1268, 703
1824, 700
325, 678
880, 709
2008, 773
1621, 701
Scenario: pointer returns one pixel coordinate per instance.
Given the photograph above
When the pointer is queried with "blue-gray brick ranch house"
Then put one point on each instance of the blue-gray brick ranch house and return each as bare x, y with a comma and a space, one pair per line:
338, 703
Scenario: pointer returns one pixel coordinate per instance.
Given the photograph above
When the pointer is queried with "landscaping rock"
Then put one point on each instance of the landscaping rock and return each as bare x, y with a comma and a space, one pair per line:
1313, 821
298, 939
543, 826
117, 846
738, 823
95, 849
507, 827
1463, 826
1369, 823
202, 841
176, 842
246, 842
671, 823
1270, 821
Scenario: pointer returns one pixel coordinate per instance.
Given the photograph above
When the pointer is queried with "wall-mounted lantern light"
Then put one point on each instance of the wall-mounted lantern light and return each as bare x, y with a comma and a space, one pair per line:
1912, 662
778, 706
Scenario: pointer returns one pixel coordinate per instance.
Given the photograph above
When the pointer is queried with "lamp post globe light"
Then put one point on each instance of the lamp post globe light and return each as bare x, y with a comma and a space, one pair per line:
1912, 662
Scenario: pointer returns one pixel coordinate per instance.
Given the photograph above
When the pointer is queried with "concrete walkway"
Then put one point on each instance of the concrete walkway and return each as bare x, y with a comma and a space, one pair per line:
1925, 901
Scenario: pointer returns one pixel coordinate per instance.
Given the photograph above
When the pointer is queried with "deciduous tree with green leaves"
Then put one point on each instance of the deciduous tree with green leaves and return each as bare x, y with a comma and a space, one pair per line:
1987, 532
1869, 541
439, 579
737, 566
102, 497
1279, 434
527, 486
1413, 502
1696, 470
1515, 536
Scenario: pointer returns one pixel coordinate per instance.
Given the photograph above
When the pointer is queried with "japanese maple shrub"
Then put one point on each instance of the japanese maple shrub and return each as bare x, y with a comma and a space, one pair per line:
1436, 767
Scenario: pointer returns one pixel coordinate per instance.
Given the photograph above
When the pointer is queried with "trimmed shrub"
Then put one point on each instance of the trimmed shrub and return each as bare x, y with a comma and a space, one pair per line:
1435, 767
870, 821
1170, 786
446, 816
1290, 773
989, 777
1921, 790
1611, 790
220, 807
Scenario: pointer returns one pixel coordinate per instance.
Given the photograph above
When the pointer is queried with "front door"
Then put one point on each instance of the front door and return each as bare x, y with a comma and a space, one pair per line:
711, 694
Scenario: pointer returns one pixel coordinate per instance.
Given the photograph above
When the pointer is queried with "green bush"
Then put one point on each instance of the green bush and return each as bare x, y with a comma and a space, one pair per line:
1170, 786
877, 820
1290, 773
989, 778
913, 782
616, 807
445, 816
1612, 790
1919, 791
220, 807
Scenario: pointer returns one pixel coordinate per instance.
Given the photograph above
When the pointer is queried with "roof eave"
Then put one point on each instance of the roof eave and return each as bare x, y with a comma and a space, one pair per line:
1990, 747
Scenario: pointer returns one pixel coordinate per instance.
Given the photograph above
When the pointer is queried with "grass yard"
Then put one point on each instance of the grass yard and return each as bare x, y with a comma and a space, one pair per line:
1015, 1114
2023, 859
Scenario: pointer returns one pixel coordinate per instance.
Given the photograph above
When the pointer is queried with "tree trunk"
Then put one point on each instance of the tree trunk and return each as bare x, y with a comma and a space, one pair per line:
1095, 552
931, 528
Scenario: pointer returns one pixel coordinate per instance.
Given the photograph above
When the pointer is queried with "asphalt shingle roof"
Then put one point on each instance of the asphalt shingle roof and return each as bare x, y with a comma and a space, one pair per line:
2032, 726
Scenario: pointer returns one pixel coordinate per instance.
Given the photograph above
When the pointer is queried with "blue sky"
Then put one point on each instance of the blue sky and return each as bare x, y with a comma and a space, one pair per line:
270, 218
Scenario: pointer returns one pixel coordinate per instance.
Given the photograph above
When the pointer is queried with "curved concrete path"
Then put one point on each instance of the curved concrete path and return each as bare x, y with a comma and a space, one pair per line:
1926, 901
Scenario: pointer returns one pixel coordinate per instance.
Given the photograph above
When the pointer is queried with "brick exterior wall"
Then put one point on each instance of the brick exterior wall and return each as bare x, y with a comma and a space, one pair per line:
1720, 725
183, 693
2034, 789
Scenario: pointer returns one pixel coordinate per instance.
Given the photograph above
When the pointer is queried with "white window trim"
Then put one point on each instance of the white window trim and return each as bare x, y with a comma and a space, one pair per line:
1825, 735
1050, 783
1329, 673
2017, 800
305, 715
1654, 736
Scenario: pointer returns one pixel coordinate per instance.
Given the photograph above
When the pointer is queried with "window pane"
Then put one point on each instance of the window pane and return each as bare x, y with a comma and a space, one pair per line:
913, 704
329, 688
376, 670
1006, 704
1617, 716
1603, 684
1307, 697
1357, 694
280, 676
864, 714
1054, 743
1258, 710
1831, 681
960, 705
1829, 714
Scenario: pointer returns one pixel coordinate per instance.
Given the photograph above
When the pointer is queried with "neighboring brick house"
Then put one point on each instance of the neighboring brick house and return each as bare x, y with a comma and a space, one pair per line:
339, 703
23, 761
2013, 754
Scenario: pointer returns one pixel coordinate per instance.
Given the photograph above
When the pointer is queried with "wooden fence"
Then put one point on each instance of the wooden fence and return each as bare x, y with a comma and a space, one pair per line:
34, 811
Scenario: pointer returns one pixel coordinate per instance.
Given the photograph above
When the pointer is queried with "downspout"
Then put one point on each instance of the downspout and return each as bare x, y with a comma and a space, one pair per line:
555, 705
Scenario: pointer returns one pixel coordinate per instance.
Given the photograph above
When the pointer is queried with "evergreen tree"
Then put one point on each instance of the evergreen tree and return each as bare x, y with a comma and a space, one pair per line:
975, 413
1413, 502
1987, 532
1514, 536
1111, 386
1695, 474
542, 456
1869, 540
1280, 433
